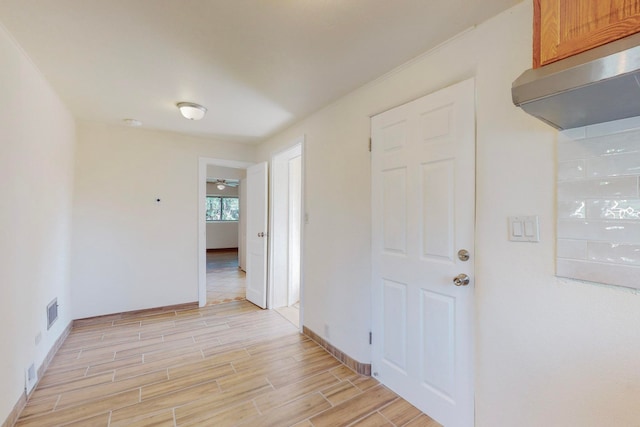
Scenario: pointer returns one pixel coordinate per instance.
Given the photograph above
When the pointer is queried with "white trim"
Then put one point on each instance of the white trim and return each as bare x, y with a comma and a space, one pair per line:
202, 223
297, 147
303, 222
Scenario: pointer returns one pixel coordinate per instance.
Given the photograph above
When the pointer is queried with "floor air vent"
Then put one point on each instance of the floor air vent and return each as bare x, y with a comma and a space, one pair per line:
52, 312
31, 377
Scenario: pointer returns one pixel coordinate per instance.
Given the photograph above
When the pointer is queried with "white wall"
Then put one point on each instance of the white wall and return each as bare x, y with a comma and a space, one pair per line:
37, 138
222, 235
130, 252
549, 351
223, 172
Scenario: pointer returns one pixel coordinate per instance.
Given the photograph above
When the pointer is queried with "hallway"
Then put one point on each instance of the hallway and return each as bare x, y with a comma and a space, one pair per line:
225, 281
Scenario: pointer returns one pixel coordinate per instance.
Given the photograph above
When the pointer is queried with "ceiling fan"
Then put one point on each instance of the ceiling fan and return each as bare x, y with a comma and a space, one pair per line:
221, 184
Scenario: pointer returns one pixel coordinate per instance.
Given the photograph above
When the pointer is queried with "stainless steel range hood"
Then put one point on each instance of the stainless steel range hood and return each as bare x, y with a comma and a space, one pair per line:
599, 85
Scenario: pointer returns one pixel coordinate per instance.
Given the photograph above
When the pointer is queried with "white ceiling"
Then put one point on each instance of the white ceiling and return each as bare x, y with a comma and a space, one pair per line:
257, 65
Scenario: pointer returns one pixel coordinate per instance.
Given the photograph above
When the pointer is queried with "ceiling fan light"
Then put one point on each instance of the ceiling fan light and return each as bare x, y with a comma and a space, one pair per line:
221, 186
191, 111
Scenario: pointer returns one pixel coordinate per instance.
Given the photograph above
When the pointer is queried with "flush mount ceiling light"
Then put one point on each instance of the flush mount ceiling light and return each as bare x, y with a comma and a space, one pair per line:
191, 111
132, 122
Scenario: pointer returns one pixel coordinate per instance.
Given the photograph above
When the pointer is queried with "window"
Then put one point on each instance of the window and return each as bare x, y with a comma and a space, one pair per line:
222, 208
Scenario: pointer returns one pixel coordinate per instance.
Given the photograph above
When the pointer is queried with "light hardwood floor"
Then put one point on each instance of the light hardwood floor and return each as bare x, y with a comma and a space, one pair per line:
223, 365
225, 281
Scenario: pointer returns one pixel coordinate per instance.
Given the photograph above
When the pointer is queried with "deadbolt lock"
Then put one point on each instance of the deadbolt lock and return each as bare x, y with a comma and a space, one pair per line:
463, 255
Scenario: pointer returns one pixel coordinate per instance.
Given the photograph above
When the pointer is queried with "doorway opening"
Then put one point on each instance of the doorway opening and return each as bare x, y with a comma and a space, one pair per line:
261, 239
286, 232
226, 277
221, 230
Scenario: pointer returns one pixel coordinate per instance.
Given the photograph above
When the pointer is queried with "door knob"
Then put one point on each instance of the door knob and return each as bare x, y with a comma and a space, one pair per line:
461, 280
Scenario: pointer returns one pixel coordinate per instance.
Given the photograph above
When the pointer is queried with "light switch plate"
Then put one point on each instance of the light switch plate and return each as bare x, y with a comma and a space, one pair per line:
524, 229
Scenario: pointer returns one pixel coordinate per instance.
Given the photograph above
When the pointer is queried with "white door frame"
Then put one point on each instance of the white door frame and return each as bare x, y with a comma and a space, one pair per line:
299, 141
203, 162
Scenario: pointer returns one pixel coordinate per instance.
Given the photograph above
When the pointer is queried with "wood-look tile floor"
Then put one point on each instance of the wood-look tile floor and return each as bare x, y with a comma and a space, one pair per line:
225, 281
223, 365
292, 314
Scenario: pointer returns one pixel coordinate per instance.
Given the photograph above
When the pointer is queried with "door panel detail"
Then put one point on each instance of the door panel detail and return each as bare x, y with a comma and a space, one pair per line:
395, 136
395, 326
437, 210
438, 344
395, 211
435, 124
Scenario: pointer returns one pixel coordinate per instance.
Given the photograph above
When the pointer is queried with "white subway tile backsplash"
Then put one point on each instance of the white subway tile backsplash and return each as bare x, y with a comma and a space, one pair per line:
627, 142
618, 253
573, 134
611, 274
575, 249
610, 128
612, 165
572, 150
594, 230
598, 230
572, 209
613, 209
598, 188
571, 169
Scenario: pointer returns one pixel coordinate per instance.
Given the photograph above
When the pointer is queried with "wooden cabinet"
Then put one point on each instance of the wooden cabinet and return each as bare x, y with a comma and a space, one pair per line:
566, 27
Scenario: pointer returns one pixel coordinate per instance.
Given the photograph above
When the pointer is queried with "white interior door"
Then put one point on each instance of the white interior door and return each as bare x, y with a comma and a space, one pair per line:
423, 207
257, 234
